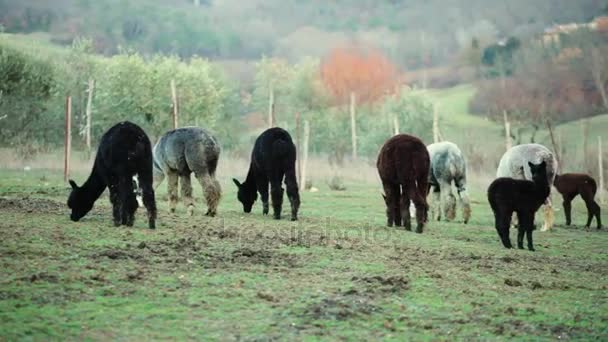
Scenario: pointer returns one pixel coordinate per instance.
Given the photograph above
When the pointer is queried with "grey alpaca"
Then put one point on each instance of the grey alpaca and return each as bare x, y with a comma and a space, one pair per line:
448, 165
182, 151
515, 164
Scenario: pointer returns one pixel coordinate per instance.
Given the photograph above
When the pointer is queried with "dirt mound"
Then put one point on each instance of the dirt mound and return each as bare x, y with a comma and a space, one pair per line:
341, 308
30, 205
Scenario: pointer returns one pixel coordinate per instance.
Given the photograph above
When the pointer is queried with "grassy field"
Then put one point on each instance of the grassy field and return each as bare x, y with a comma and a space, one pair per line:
338, 273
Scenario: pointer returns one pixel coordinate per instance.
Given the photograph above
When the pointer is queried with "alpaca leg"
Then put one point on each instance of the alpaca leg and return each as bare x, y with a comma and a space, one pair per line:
172, 179
450, 202
464, 200
568, 209
293, 195
115, 200
147, 190
262, 184
445, 199
128, 202
212, 192
548, 215
593, 209
529, 238
397, 205
186, 191
405, 212
450, 213
526, 224
391, 199
276, 193
436, 204
502, 224
416, 195
520, 231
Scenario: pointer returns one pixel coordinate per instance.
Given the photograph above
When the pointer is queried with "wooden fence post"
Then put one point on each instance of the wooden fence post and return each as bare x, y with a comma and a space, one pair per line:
175, 104
68, 138
271, 118
508, 141
305, 157
298, 147
600, 165
353, 124
88, 112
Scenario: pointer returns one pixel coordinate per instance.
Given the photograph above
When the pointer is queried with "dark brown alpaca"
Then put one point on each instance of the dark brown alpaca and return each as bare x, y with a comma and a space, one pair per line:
403, 165
572, 184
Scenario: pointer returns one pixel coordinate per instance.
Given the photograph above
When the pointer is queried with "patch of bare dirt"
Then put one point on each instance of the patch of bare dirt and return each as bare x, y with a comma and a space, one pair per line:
379, 284
341, 308
31, 205
195, 253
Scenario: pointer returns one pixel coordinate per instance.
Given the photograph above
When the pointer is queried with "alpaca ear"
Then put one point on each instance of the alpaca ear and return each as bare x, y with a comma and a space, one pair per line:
236, 182
73, 184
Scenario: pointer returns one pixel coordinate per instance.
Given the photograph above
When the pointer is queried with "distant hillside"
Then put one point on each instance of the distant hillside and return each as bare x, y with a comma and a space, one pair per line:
413, 33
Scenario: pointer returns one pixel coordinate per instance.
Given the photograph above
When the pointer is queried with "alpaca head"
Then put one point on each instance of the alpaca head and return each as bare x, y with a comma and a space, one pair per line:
246, 195
78, 202
539, 172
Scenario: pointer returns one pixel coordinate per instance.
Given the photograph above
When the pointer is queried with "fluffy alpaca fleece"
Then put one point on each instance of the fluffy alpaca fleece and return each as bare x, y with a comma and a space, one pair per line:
448, 165
514, 164
273, 157
572, 184
124, 151
181, 152
522, 197
403, 165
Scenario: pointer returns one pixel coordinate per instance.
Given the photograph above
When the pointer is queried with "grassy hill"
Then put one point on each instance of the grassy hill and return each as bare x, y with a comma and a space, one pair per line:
483, 139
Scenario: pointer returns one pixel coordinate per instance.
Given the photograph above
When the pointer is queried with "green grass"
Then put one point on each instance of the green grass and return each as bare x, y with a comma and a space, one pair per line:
338, 273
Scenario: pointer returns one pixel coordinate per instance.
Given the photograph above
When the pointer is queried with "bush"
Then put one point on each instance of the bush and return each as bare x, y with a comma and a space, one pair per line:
26, 85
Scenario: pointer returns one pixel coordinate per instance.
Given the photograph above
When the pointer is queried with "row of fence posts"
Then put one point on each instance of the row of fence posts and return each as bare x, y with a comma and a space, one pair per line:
302, 163
88, 121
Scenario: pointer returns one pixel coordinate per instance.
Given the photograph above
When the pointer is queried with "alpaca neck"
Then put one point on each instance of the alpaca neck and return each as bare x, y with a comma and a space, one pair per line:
249, 182
94, 185
543, 188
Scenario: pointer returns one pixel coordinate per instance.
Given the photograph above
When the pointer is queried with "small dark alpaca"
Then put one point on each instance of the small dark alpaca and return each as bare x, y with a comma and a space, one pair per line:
524, 197
273, 156
572, 184
403, 165
124, 151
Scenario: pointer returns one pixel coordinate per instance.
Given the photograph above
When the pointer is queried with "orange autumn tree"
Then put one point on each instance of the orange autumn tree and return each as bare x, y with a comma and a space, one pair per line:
355, 75
363, 71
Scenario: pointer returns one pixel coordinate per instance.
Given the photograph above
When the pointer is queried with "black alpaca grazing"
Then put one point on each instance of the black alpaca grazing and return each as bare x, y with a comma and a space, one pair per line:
124, 151
273, 156
404, 164
571, 185
524, 197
